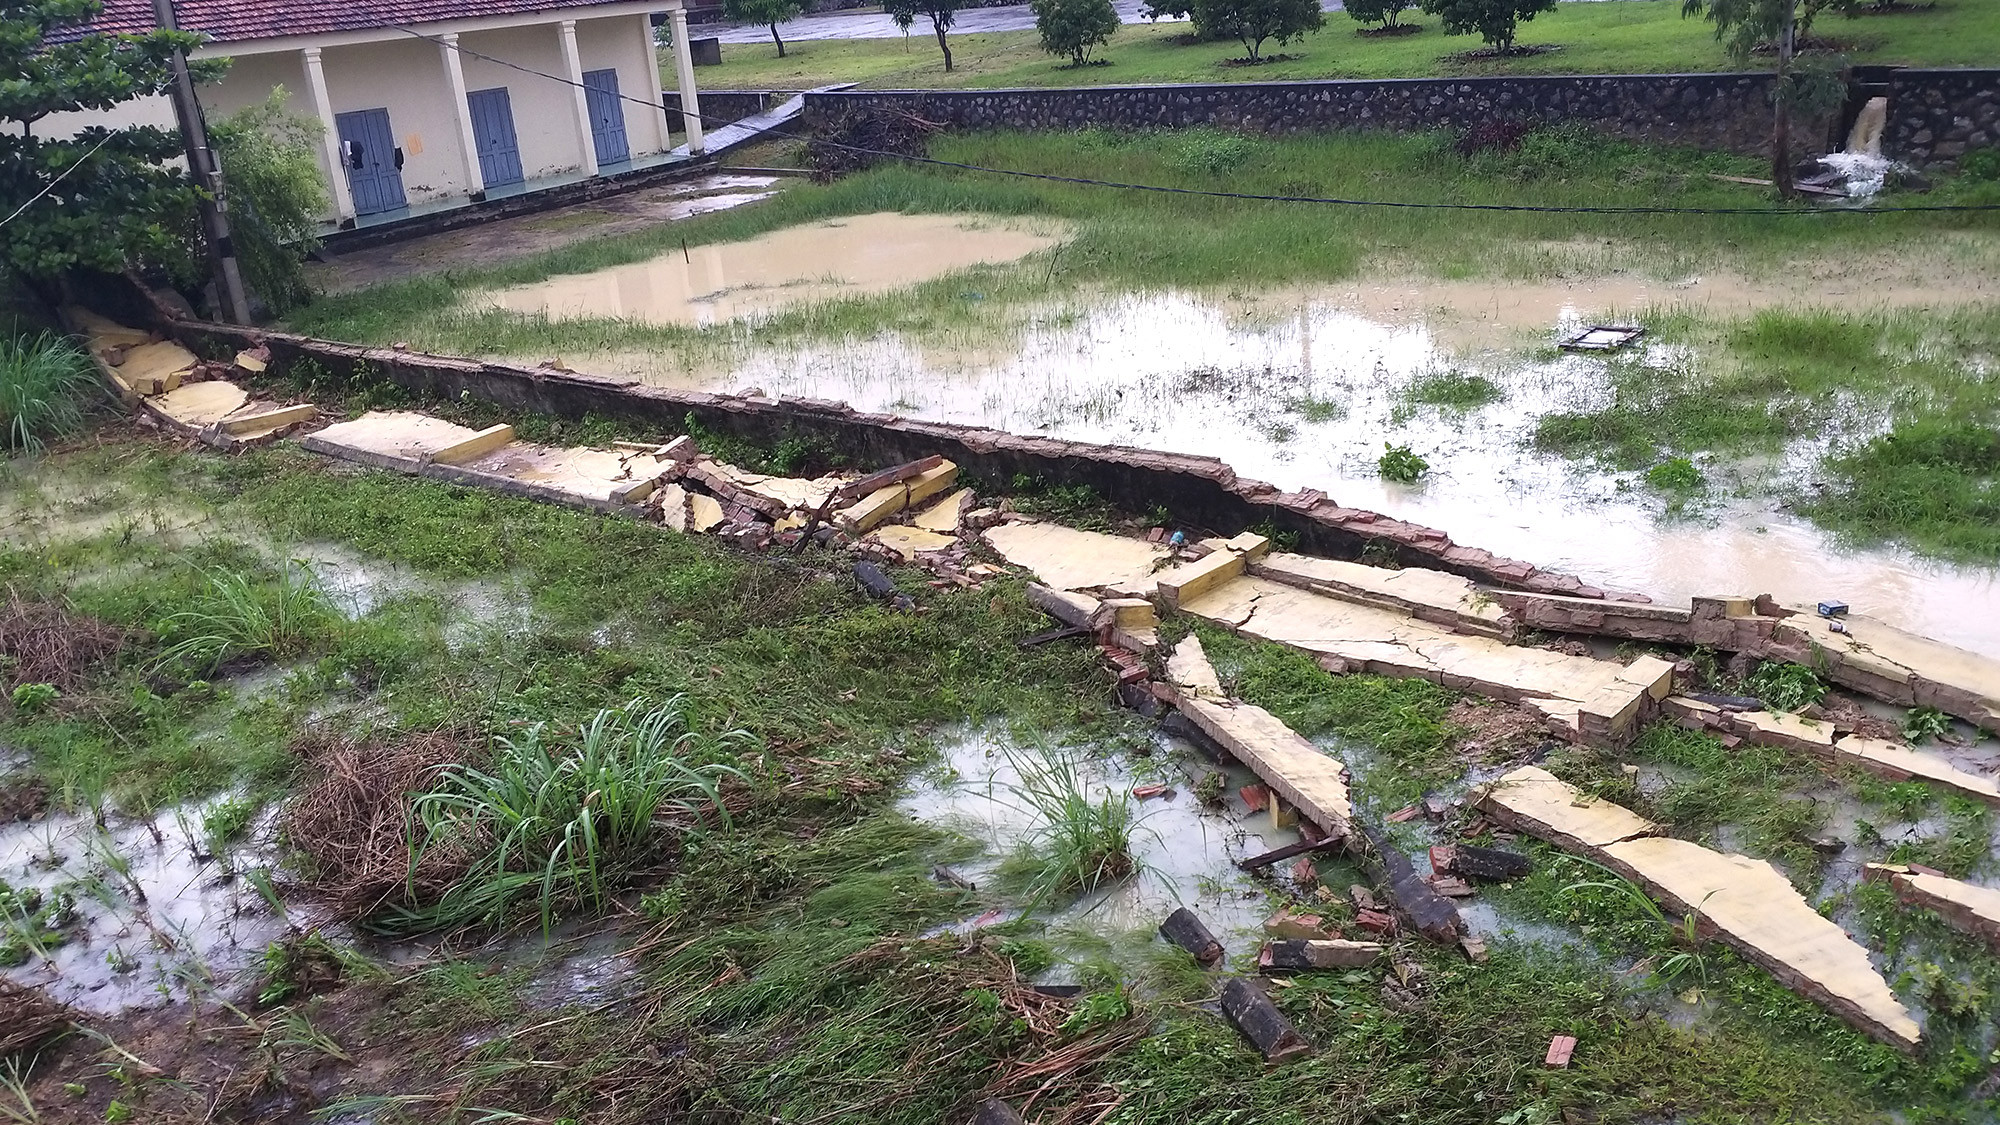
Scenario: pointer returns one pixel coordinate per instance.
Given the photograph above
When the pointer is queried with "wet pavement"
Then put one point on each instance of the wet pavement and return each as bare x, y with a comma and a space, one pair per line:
876, 25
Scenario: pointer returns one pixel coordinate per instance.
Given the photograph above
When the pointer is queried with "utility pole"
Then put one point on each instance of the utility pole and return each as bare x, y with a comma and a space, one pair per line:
207, 173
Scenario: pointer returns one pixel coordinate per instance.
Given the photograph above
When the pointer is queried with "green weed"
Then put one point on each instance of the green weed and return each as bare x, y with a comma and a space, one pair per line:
45, 384
235, 619
1922, 724
1398, 463
1785, 687
1676, 475
1453, 390
30, 699
560, 817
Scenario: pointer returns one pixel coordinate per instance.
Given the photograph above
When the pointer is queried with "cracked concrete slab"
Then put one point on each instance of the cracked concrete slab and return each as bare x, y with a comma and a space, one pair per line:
1354, 637
1308, 778
1430, 595
1745, 903
1966, 906
1067, 559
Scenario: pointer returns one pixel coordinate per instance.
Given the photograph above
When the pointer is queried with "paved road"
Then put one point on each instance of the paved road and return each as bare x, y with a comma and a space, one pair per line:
875, 25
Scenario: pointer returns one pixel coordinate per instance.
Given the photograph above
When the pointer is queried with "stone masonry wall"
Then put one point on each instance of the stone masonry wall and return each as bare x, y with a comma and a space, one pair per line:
1716, 111
1937, 116
719, 107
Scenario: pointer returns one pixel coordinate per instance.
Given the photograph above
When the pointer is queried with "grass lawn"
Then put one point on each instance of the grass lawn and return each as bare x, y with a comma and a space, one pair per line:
1612, 37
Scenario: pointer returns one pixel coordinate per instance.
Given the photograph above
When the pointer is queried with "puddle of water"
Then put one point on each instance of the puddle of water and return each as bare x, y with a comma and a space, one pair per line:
846, 257
152, 906
1186, 853
1303, 391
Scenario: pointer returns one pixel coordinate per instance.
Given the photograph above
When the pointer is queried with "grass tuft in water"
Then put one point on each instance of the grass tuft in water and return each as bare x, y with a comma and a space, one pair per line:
1081, 841
1932, 483
1453, 390
234, 619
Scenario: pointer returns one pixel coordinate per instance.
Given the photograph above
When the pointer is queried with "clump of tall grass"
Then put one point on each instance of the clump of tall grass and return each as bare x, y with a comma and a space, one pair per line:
1080, 841
45, 382
562, 814
233, 619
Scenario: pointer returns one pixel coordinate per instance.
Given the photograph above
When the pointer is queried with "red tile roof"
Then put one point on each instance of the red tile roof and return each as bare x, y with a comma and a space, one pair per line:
233, 21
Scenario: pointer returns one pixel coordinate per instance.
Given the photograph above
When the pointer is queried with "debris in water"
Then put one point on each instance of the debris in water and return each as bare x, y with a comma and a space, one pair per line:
1187, 931
1602, 338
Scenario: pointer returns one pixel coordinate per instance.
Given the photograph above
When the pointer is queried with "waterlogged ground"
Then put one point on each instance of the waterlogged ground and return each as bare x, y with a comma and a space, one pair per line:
1305, 388
893, 743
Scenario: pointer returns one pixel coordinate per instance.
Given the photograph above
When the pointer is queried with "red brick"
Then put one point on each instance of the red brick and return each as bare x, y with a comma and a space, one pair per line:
1560, 1049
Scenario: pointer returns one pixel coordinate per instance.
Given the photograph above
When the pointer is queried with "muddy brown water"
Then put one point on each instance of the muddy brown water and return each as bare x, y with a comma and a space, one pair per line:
853, 256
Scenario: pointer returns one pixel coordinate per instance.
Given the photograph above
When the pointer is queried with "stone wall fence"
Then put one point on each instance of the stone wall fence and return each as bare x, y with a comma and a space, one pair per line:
1935, 115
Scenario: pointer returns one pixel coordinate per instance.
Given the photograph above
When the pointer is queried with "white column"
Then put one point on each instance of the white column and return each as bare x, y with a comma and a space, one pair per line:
573, 71
653, 95
329, 139
684, 71
454, 76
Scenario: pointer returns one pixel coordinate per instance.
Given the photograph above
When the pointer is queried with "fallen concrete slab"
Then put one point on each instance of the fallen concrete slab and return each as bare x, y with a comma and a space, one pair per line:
1429, 595
1823, 740
1865, 654
1349, 636
1309, 779
1745, 903
1966, 906
1067, 559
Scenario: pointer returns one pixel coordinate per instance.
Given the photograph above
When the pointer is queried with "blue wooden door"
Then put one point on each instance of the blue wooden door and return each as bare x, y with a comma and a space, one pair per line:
374, 166
493, 136
607, 116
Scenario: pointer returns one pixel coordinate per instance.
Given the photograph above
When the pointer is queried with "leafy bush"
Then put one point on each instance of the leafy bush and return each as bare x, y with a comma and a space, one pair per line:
1384, 12
1251, 22
276, 196
1494, 20
44, 383
1074, 27
1980, 164
1211, 150
1922, 724
31, 698
1399, 463
562, 814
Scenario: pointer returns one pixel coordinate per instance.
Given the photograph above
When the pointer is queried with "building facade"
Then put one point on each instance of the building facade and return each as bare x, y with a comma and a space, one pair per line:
424, 104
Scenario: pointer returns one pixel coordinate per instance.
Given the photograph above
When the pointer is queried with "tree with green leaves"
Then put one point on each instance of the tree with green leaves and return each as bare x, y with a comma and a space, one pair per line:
1745, 25
941, 13
102, 197
1251, 22
770, 13
1075, 27
1384, 12
1494, 20
276, 196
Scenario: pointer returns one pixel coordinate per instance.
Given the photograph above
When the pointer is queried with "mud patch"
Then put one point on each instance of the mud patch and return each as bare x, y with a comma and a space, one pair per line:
854, 256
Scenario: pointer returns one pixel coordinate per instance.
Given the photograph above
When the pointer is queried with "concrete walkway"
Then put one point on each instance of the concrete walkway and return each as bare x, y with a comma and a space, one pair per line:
736, 134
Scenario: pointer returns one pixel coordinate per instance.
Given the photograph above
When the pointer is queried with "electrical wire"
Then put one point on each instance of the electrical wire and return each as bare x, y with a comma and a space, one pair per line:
60, 177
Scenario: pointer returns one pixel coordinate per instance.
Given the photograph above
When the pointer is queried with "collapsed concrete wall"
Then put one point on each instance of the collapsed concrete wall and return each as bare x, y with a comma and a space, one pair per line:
1201, 491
